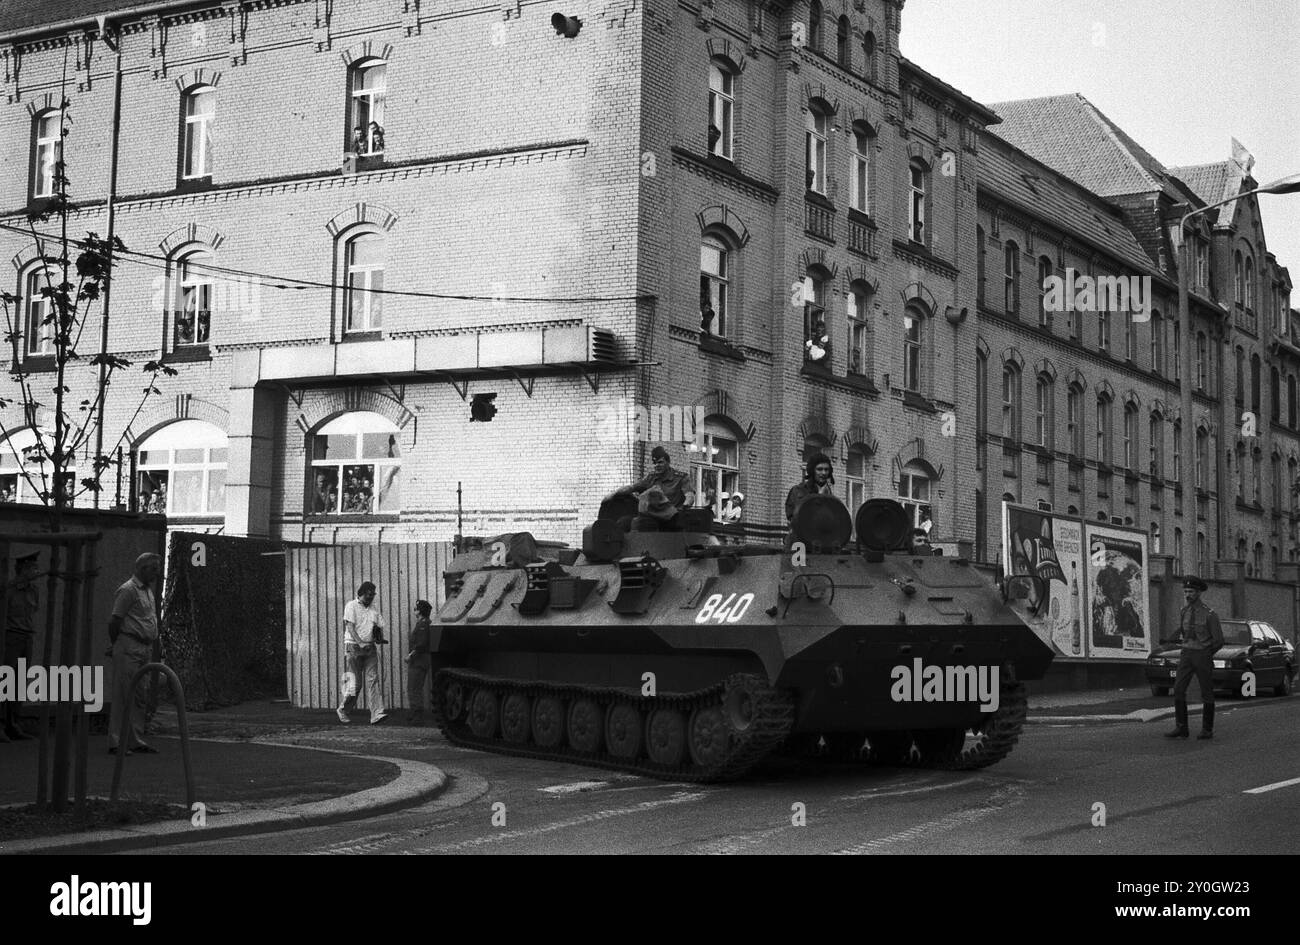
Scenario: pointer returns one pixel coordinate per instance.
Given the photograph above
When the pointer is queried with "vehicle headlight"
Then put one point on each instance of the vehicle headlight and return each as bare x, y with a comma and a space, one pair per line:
1220, 664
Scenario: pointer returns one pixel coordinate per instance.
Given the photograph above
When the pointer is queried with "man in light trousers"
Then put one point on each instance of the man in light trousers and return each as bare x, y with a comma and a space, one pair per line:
363, 633
133, 630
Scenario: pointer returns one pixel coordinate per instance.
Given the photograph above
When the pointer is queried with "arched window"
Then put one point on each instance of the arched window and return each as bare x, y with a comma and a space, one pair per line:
1011, 404
1178, 350
181, 470
1254, 384
722, 107
26, 473
1274, 395
981, 406
1290, 401
1045, 409
860, 171
1276, 482
816, 333
356, 466
1157, 343
815, 129
1044, 274
1290, 486
1256, 464
1074, 420
1250, 282
1257, 559
1178, 548
859, 310
815, 26
1202, 358
914, 491
857, 467
1155, 445
367, 89
842, 42
1178, 452
1104, 429
917, 181
1238, 278
192, 317
715, 286
981, 264
715, 464
1130, 445
1103, 329
913, 343
1202, 458
47, 152
38, 321
199, 107
869, 56
1154, 532
1011, 277
1240, 394
363, 305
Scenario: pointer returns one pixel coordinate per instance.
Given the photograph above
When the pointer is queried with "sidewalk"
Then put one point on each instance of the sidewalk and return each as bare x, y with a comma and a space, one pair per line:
246, 779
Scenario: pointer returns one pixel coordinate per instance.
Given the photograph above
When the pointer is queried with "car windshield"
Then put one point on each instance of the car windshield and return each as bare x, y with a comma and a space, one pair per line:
1236, 634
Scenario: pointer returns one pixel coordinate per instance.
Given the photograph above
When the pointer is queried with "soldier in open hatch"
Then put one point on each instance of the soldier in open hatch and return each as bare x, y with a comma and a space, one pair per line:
663, 494
818, 479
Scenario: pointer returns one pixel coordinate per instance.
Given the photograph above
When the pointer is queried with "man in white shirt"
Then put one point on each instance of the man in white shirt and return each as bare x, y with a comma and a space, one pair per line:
363, 632
133, 631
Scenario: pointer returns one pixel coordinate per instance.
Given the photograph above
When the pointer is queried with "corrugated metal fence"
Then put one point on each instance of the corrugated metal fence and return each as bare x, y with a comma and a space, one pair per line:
318, 583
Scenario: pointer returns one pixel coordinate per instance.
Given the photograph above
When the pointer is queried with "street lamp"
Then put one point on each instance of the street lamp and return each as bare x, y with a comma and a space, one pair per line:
1285, 185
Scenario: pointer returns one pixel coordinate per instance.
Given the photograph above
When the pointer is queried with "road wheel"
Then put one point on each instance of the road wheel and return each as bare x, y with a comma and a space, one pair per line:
1284, 687
453, 701
623, 728
1158, 690
484, 713
665, 737
586, 726
709, 736
548, 721
516, 718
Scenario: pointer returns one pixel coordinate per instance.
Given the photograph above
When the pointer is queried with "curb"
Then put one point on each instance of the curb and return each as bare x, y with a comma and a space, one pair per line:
417, 781
1147, 715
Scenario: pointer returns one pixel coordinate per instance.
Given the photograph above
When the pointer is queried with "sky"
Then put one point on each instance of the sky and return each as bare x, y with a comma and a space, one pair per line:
1182, 77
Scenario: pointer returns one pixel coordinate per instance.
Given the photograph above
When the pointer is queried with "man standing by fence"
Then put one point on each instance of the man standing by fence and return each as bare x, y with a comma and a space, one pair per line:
363, 634
133, 630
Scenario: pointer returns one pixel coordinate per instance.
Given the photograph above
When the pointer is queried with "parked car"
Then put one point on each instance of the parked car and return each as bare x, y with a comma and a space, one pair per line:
1248, 646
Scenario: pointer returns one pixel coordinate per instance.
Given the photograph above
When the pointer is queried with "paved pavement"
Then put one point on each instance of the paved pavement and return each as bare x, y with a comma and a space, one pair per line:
267, 766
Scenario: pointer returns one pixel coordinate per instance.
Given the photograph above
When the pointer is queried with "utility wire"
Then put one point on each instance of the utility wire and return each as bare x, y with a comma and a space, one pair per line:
296, 284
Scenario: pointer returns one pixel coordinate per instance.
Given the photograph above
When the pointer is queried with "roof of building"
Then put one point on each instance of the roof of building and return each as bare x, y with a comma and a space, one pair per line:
1071, 134
26, 16
1022, 181
980, 110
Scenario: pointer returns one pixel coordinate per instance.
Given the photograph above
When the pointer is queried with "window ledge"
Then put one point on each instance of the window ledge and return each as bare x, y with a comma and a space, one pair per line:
187, 353
857, 216
353, 336
352, 518
862, 381
820, 200
712, 344
36, 364
193, 185
912, 399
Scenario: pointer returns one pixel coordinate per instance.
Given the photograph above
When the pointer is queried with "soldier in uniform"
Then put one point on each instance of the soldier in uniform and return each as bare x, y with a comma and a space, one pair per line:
1201, 637
664, 493
817, 480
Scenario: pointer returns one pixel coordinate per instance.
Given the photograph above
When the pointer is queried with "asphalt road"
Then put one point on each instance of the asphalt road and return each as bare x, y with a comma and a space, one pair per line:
1159, 796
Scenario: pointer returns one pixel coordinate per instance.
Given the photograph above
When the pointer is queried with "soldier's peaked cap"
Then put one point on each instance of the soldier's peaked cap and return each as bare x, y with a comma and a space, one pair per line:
1196, 584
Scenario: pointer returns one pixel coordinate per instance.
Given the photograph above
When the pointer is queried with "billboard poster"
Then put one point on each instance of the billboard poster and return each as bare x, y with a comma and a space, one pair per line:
1050, 547
1119, 611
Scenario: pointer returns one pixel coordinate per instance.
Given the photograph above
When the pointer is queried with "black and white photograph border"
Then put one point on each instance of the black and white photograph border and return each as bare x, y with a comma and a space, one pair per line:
588, 427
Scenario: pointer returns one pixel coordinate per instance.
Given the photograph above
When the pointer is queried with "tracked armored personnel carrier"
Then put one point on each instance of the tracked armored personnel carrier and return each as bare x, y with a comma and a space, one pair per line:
674, 655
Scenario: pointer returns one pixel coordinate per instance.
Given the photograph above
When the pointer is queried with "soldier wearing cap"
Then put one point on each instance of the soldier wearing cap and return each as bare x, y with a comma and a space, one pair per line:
663, 493
1201, 637
23, 599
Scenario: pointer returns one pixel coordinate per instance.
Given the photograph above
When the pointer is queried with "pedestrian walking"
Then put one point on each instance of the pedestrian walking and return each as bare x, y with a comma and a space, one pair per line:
363, 634
23, 600
133, 631
419, 661
1201, 637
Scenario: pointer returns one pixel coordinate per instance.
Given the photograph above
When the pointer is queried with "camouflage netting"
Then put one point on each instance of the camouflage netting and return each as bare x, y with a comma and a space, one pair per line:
223, 622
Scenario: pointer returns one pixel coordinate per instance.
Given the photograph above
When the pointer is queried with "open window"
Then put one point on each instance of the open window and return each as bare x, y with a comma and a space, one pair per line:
356, 466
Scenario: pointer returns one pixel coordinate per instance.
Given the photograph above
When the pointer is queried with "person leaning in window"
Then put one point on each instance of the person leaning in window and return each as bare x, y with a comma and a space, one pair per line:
133, 630
1201, 637
663, 493
818, 479
363, 633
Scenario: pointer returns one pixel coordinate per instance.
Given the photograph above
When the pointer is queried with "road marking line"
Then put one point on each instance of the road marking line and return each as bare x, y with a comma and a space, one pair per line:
574, 788
1272, 787
872, 795
1004, 797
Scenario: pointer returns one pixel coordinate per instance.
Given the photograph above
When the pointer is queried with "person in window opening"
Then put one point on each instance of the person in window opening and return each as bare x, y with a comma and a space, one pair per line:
818, 480
160, 499
925, 523
714, 134
733, 508
707, 315
662, 494
711, 498
818, 343
376, 138
359, 139
363, 632
327, 495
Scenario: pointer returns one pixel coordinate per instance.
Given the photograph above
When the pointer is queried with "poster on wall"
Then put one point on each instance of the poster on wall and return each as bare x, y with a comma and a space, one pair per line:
1051, 547
1119, 611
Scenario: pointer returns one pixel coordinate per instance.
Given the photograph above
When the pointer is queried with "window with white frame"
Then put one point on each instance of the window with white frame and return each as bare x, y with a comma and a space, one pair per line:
1103, 429
715, 465
859, 307
1074, 419
1177, 452
38, 326
860, 172
1130, 443
1238, 277
815, 126
1250, 282
914, 492
363, 299
1155, 445
1157, 343
181, 470
1010, 404
857, 465
1043, 418
369, 82
816, 333
916, 201
722, 105
912, 329
715, 286
356, 466
1103, 330
1011, 277
48, 148
193, 315
200, 111
869, 56
1202, 263
25, 473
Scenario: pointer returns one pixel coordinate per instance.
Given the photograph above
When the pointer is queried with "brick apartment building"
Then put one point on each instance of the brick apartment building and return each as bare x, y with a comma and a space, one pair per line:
557, 219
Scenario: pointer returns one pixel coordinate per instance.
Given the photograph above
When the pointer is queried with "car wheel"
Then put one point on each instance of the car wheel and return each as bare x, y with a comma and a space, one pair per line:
1159, 690
1284, 687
